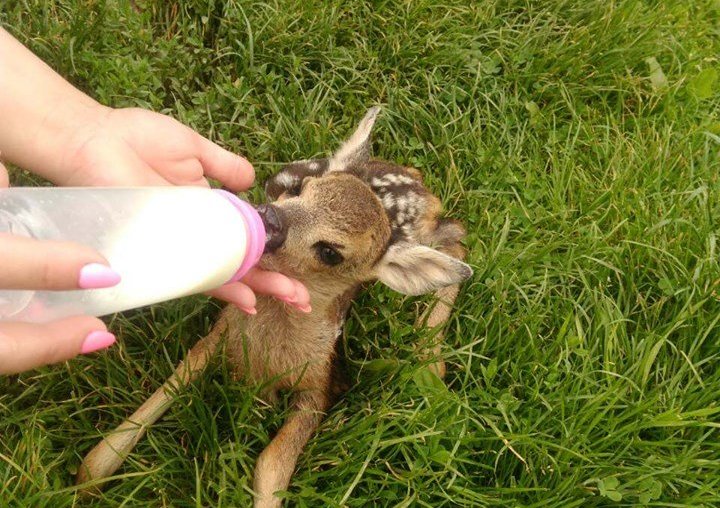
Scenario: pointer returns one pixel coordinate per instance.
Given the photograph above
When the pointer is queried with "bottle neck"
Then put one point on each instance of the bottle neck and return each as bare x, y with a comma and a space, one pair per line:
255, 233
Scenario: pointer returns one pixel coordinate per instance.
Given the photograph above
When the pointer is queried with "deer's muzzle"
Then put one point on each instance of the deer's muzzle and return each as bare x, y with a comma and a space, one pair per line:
275, 229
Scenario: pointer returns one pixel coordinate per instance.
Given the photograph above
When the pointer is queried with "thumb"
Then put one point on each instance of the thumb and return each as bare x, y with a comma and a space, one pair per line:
25, 346
231, 170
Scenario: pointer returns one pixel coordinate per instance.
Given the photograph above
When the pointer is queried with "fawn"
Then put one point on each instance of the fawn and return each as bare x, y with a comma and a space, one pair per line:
333, 224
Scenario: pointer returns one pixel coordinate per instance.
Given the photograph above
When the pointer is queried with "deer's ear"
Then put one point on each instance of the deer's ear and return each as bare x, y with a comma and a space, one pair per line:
289, 179
358, 147
414, 269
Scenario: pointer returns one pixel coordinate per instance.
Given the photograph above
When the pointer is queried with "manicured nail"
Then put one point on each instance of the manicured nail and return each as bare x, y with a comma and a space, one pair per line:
97, 340
248, 310
293, 303
95, 276
307, 309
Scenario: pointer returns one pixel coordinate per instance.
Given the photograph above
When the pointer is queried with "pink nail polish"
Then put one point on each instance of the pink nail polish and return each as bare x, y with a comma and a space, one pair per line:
95, 276
97, 340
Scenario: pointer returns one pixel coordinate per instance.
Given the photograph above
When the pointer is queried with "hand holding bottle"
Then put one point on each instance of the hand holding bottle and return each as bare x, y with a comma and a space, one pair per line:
135, 147
33, 264
54, 130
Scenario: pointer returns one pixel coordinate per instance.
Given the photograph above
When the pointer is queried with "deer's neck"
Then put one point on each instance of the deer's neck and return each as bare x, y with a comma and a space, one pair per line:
282, 323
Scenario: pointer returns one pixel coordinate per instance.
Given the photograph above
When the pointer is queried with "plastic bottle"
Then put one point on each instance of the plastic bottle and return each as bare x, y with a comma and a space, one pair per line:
165, 242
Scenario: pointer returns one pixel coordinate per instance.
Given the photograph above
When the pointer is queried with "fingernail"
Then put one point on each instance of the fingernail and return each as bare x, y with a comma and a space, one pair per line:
97, 340
307, 309
293, 303
248, 310
95, 276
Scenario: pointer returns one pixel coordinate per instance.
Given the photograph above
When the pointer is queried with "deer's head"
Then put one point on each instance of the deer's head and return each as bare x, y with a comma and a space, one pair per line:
337, 222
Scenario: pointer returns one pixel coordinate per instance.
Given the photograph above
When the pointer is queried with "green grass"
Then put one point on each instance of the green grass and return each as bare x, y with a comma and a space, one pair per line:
583, 356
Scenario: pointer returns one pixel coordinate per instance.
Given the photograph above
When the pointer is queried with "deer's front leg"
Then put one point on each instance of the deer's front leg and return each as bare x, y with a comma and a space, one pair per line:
110, 453
277, 462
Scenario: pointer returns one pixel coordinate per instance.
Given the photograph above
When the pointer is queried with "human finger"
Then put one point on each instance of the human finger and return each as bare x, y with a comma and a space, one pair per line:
279, 286
237, 294
24, 346
28, 263
230, 169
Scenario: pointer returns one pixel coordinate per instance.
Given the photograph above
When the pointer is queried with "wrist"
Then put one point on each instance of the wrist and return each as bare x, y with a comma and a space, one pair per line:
76, 127
62, 135
46, 117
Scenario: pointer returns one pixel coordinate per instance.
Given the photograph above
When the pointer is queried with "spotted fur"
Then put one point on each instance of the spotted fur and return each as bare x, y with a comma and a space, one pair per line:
412, 210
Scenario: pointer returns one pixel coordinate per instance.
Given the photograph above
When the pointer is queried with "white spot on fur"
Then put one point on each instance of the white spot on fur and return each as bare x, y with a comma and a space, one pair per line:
388, 200
286, 180
379, 182
398, 179
313, 166
402, 202
391, 179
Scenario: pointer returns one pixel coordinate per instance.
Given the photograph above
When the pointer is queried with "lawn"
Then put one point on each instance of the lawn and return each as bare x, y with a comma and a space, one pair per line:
577, 140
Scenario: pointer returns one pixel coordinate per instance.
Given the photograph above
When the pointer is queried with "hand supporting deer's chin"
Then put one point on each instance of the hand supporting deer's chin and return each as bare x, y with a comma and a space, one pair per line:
324, 288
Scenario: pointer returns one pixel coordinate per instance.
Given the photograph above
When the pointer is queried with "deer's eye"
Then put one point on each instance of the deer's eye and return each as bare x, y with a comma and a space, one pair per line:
328, 254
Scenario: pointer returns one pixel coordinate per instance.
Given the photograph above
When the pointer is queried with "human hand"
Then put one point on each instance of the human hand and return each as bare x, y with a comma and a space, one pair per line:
139, 147
26, 263
135, 146
25, 346
65, 136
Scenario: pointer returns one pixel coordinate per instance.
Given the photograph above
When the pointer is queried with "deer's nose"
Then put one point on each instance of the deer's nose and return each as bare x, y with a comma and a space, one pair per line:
275, 229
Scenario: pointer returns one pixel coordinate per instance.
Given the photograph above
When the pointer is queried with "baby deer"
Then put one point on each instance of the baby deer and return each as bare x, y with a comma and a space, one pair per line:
334, 224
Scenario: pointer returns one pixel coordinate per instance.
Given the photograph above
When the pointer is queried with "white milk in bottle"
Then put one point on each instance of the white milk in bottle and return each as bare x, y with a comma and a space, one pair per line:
165, 242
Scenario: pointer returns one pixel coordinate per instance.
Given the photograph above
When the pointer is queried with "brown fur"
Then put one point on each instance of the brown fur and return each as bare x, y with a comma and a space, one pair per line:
381, 234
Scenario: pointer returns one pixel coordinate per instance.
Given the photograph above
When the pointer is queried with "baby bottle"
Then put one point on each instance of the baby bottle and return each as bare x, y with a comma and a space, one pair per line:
165, 242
